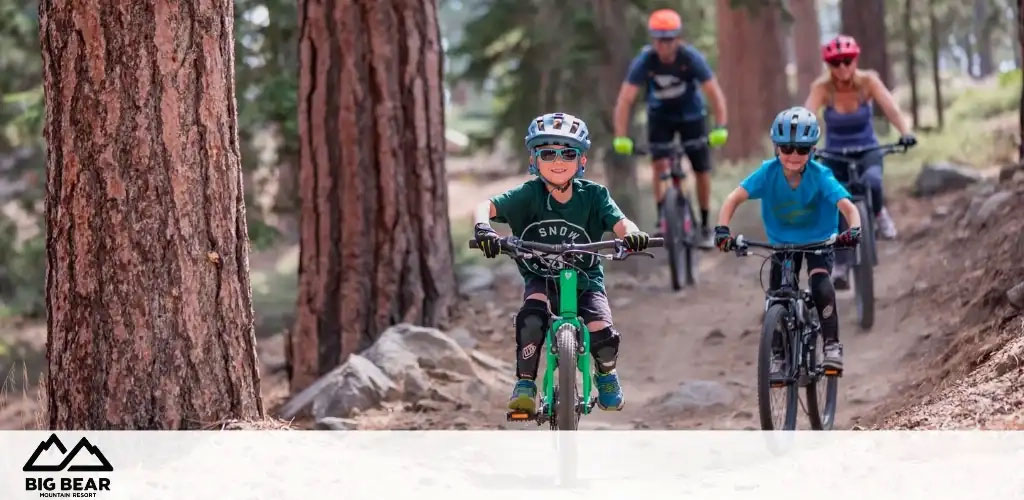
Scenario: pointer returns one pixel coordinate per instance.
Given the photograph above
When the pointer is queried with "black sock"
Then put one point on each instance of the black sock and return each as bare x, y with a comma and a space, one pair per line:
704, 218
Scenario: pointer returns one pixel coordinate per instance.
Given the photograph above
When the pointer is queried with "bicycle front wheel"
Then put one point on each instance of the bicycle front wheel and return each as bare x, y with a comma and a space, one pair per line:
822, 390
568, 390
776, 396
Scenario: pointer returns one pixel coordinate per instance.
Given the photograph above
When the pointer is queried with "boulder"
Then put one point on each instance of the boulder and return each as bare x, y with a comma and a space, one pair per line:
990, 206
941, 177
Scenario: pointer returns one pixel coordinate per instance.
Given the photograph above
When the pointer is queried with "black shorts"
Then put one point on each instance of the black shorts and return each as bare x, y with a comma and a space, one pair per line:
814, 261
590, 305
664, 132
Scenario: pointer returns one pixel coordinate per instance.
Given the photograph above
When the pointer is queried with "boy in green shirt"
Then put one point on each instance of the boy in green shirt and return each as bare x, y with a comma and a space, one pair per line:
560, 207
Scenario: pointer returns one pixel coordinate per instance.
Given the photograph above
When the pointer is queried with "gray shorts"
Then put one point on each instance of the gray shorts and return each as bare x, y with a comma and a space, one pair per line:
590, 305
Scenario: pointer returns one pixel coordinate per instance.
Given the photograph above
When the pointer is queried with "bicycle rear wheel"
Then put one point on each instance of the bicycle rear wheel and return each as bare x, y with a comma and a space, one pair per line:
822, 391
568, 390
675, 241
864, 274
776, 414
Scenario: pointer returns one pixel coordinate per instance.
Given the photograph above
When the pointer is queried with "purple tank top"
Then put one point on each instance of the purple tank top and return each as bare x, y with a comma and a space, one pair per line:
854, 129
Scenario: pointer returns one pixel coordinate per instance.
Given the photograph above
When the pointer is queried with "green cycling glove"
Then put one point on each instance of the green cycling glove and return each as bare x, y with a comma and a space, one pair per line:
718, 136
623, 145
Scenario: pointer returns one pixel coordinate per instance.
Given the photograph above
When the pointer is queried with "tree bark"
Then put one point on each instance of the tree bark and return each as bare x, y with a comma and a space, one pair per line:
865, 21
375, 243
807, 43
936, 73
908, 30
620, 169
1020, 44
149, 302
985, 19
750, 41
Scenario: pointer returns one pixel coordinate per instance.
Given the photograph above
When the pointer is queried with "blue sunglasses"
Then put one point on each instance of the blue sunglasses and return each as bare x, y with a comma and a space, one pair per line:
567, 154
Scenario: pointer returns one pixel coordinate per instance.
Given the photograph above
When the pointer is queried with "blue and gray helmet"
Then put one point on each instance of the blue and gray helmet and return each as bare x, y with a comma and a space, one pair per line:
796, 125
557, 129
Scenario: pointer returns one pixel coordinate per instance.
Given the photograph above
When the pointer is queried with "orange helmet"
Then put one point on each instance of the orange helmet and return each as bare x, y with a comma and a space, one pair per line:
664, 23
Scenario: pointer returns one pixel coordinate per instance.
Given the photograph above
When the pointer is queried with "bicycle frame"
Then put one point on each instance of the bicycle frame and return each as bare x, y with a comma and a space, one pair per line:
567, 314
795, 300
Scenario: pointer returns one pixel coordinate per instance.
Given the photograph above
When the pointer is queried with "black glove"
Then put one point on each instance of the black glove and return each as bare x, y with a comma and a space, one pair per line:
487, 238
637, 241
723, 240
907, 140
849, 238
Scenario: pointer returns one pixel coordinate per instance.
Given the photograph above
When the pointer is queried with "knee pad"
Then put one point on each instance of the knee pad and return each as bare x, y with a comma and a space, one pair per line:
531, 322
604, 347
824, 295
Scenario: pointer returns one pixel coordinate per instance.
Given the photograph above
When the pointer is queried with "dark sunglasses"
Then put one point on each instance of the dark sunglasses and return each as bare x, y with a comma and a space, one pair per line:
567, 154
788, 149
845, 61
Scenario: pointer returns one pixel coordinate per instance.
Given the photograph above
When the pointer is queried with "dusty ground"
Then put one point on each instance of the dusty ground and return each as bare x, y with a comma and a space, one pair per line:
939, 327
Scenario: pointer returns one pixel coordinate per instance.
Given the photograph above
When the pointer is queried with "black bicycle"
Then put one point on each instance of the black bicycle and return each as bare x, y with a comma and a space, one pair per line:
791, 334
865, 256
679, 224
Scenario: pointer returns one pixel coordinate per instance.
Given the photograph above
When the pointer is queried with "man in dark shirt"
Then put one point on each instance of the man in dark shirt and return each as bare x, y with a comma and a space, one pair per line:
673, 74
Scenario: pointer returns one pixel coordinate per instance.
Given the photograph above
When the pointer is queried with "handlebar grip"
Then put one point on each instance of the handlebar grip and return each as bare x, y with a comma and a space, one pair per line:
473, 244
656, 243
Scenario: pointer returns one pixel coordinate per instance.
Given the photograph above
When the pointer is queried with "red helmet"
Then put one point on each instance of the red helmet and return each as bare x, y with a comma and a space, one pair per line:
840, 46
664, 23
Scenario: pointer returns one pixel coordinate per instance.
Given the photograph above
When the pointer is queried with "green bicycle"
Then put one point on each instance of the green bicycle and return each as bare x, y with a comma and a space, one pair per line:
563, 403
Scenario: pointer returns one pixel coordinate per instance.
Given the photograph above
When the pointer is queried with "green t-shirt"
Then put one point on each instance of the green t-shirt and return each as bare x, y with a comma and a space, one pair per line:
534, 215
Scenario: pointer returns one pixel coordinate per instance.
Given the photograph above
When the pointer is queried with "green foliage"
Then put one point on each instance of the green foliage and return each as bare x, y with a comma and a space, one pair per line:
266, 71
22, 273
261, 235
988, 101
537, 56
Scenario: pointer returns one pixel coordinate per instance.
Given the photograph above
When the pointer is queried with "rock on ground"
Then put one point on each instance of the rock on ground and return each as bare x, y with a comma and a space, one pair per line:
940, 177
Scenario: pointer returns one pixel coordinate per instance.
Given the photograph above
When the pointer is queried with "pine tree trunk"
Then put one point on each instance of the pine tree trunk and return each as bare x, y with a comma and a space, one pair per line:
149, 304
1020, 45
985, 19
908, 30
807, 43
375, 243
936, 73
620, 169
750, 42
865, 21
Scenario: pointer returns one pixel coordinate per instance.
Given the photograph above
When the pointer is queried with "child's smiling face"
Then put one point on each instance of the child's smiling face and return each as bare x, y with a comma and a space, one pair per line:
555, 164
793, 158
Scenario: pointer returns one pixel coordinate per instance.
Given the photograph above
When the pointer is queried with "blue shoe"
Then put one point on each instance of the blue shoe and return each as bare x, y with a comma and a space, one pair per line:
524, 397
609, 393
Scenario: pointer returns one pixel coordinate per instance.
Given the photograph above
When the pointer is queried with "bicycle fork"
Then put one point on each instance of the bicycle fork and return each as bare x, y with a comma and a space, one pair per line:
567, 315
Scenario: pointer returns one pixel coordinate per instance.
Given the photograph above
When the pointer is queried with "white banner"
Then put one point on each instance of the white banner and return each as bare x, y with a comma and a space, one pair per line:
489, 465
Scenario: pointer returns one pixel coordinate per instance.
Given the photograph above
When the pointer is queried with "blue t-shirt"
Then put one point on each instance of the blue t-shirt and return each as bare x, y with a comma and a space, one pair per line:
796, 216
673, 90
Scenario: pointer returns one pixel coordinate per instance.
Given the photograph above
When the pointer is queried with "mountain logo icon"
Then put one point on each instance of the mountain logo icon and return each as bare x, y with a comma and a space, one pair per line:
76, 461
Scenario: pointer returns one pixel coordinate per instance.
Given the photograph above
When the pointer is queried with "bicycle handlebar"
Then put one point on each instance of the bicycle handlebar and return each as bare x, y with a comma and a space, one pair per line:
843, 153
817, 247
513, 243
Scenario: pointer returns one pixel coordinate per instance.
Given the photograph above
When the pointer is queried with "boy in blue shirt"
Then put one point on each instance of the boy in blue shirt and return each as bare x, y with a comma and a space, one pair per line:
800, 203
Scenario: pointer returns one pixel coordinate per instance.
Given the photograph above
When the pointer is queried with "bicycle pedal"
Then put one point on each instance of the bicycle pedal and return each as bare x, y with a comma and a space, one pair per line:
518, 416
834, 372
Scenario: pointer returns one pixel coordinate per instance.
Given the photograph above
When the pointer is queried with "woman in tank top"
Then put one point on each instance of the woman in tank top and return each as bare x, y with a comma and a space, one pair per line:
847, 94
